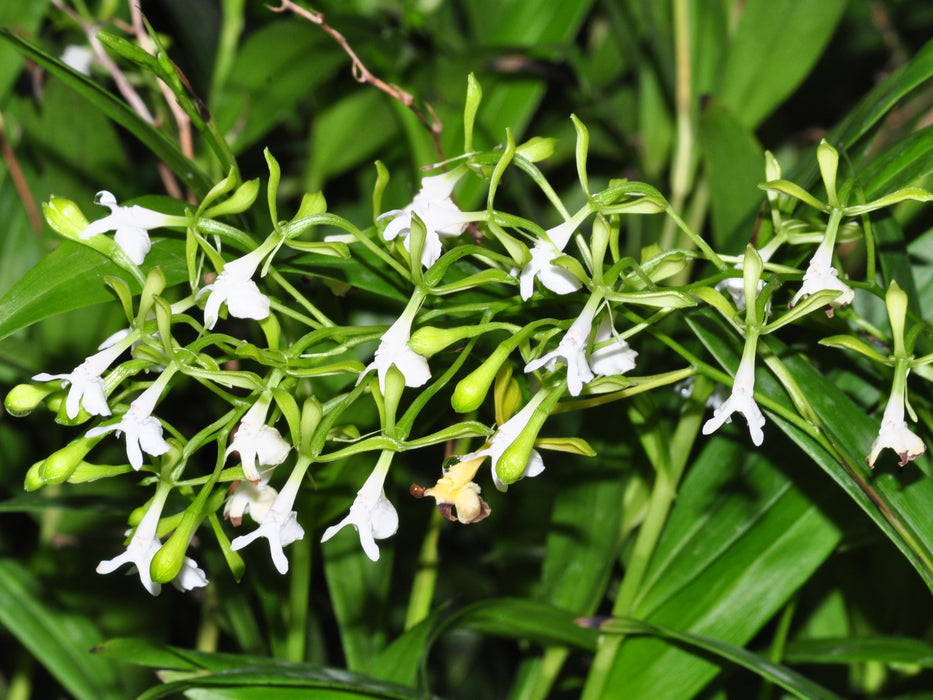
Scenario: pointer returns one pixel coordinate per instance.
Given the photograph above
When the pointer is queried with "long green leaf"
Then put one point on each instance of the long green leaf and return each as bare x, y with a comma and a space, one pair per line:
775, 46
72, 276
780, 675
187, 171
60, 643
847, 650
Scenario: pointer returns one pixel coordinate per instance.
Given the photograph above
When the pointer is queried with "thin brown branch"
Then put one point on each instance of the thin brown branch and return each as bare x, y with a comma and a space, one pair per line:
19, 180
133, 99
363, 75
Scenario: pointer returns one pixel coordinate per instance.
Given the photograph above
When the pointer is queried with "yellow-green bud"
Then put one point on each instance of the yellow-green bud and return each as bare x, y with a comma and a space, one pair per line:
23, 398
536, 149
429, 340
85, 471
64, 217
471, 391
168, 561
60, 465
511, 465
33, 482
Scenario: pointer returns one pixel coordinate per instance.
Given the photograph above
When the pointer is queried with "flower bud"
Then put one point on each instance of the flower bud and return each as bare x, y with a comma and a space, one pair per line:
60, 465
238, 202
511, 465
471, 391
536, 149
429, 340
33, 482
65, 217
23, 398
167, 562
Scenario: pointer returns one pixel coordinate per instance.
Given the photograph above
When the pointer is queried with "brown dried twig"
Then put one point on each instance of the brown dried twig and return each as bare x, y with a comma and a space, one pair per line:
363, 75
19, 180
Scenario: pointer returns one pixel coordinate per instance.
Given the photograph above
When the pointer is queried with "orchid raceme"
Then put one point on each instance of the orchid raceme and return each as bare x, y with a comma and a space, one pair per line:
257, 444
235, 287
279, 525
372, 515
131, 226
434, 206
142, 548
87, 386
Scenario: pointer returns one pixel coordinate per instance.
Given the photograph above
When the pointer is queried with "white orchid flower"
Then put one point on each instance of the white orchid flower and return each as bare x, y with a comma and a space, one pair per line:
433, 205
571, 351
613, 359
130, 224
235, 287
742, 399
558, 279
372, 515
279, 525
143, 547
87, 385
257, 443
895, 434
143, 431
249, 497
394, 350
507, 433
822, 275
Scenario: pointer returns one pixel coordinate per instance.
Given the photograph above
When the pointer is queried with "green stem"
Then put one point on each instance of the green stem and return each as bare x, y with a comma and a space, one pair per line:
422, 588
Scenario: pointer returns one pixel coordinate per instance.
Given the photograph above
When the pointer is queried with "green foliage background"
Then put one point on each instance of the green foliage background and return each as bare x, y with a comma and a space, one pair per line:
781, 551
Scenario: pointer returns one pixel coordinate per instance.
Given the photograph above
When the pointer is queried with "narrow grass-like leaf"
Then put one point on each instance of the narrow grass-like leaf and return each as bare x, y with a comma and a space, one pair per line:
187, 171
782, 676
60, 643
847, 650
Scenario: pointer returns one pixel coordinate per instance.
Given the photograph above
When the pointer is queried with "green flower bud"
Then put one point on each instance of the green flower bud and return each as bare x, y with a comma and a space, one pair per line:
471, 391
896, 302
473, 97
23, 398
65, 217
33, 482
167, 562
60, 465
536, 149
429, 340
511, 465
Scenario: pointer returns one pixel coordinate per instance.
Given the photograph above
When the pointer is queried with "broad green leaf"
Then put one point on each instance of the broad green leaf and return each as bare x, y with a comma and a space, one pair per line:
776, 44
61, 643
846, 650
780, 675
894, 500
400, 661
72, 276
735, 164
741, 537
299, 56
346, 134
580, 551
902, 164
187, 171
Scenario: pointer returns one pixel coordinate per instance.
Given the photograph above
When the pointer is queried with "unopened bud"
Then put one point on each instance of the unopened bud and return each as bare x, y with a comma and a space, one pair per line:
23, 398
60, 465
65, 217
